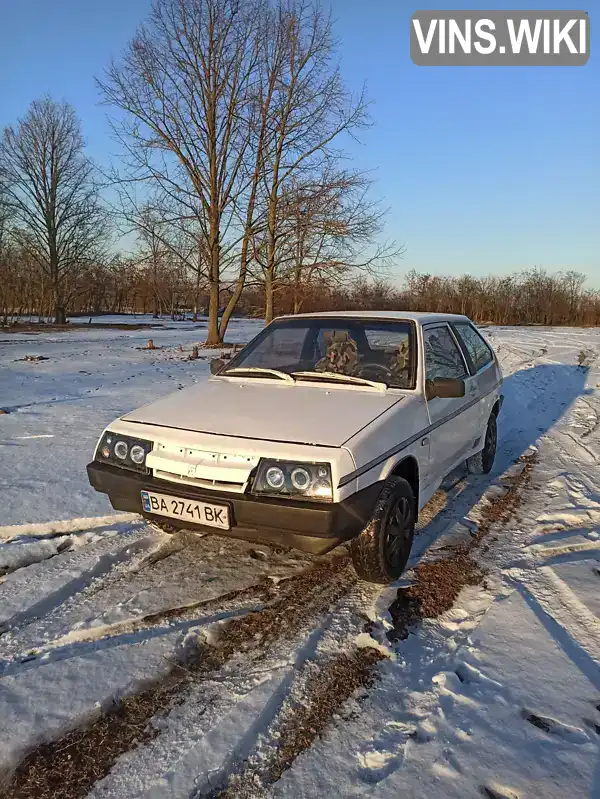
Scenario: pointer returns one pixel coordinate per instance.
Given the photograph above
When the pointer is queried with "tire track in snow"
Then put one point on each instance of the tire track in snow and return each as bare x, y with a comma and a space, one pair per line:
435, 589
78, 643
65, 589
93, 750
123, 635
19, 556
25, 532
156, 588
296, 610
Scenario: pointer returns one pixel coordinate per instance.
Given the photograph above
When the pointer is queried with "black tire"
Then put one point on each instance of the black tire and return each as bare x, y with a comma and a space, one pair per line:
380, 553
482, 461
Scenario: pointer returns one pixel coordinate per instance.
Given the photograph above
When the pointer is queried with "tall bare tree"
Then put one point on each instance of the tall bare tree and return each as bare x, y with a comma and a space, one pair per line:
50, 192
184, 84
311, 111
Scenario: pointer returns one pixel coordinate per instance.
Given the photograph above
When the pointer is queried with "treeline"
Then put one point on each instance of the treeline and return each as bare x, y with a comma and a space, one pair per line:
530, 297
231, 181
129, 286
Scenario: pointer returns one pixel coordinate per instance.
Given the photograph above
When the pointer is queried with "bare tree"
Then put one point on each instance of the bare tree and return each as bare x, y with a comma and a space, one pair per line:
148, 227
330, 228
311, 110
184, 84
5, 275
573, 283
49, 190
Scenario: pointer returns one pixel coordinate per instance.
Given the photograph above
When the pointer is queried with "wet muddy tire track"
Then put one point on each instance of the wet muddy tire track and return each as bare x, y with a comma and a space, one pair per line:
69, 766
437, 584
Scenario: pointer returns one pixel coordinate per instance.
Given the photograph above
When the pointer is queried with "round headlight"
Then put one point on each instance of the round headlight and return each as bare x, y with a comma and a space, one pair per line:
275, 478
137, 454
300, 478
121, 450
323, 472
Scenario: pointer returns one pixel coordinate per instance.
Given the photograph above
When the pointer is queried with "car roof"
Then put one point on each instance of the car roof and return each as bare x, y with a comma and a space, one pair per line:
420, 317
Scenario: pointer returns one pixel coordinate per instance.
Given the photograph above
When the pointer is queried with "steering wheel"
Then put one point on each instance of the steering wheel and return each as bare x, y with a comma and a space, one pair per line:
379, 369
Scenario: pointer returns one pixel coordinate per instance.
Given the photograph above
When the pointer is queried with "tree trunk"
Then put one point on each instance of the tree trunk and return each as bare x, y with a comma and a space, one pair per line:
60, 314
241, 281
297, 287
197, 294
230, 307
269, 305
214, 335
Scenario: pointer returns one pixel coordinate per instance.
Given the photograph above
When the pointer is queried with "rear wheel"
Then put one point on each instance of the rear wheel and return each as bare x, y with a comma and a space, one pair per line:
380, 553
482, 462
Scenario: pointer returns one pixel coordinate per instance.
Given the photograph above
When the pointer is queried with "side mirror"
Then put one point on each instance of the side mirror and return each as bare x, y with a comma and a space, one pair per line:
445, 388
216, 365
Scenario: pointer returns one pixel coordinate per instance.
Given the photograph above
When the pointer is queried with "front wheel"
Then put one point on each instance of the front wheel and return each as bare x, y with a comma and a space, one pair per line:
482, 461
380, 553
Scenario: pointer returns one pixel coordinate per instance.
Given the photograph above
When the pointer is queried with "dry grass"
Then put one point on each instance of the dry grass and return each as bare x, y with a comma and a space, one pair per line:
312, 593
438, 583
435, 506
502, 509
70, 766
224, 345
331, 688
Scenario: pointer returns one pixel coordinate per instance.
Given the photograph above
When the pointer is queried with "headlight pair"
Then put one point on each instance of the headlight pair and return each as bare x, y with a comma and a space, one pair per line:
129, 453
291, 478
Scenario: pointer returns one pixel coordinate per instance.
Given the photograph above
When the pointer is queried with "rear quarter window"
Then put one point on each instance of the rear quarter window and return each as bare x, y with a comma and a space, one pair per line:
475, 345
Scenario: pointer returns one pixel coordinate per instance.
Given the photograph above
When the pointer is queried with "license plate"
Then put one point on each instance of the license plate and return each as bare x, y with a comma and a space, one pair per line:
189, 510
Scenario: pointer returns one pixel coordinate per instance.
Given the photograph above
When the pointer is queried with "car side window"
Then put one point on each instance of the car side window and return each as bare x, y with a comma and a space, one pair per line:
475, 345
443, 357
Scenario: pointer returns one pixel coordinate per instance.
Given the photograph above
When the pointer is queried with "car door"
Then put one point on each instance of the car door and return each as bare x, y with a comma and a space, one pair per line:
453, 421
482, 364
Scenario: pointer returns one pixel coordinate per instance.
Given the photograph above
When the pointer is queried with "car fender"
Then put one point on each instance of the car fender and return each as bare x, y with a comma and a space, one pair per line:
380, 447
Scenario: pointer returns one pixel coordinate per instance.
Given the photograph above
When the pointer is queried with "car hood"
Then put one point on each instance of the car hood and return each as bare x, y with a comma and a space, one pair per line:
301, 414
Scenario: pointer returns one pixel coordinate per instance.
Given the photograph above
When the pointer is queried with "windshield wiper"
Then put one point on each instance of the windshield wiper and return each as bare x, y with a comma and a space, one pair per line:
259, 372
340, 378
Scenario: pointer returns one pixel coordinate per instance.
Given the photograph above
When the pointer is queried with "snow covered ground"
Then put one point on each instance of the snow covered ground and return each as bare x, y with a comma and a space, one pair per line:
498, 696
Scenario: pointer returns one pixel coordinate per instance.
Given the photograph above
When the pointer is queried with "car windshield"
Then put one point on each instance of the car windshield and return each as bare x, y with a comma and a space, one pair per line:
376, 351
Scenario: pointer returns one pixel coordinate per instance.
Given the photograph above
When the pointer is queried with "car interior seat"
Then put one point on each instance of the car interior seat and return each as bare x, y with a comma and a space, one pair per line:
341, 356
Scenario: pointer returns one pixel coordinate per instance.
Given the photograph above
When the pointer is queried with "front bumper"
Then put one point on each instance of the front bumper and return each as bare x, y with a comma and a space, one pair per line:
314, 527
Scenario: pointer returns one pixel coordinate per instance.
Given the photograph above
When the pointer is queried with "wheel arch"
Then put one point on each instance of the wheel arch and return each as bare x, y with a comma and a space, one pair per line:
408, 468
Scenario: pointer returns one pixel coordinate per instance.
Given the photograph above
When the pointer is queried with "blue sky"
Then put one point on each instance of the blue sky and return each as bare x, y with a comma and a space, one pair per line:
485, 170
